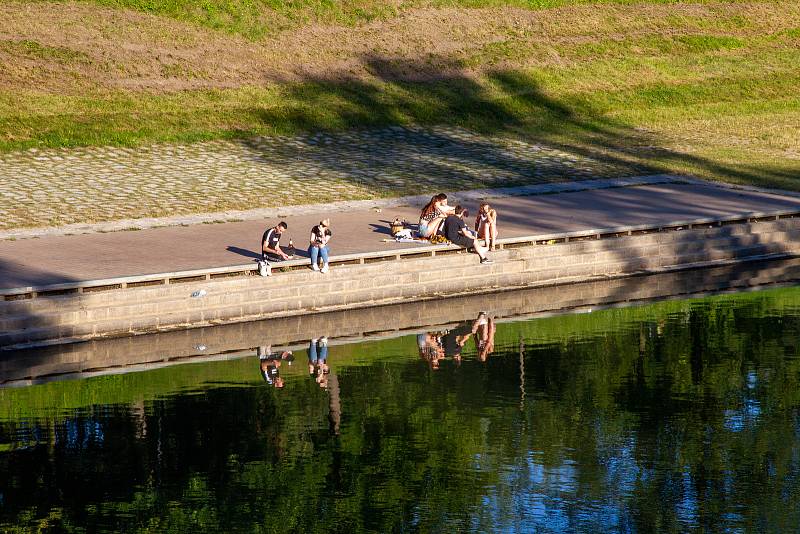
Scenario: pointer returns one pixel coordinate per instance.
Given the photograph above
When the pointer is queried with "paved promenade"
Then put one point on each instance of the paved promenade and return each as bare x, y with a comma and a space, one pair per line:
59, 259
78, 185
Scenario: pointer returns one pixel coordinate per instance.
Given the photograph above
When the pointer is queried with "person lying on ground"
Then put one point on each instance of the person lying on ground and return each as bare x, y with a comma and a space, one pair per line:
486, 225
455, 229
432, 215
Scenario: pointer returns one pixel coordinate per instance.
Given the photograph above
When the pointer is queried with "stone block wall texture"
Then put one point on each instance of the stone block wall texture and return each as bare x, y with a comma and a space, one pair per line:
239, 339
347, 287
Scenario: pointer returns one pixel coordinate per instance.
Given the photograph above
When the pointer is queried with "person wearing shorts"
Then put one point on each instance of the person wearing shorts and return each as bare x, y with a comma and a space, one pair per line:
456, 231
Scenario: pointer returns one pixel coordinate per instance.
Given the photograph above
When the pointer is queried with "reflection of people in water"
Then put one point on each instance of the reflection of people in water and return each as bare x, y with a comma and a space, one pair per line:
319, 370
318, 361
454, 340
484, 328
430, 348
270, 364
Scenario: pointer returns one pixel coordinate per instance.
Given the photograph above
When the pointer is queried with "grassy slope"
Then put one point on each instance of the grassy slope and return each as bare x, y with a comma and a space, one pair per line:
256, 19
714, 97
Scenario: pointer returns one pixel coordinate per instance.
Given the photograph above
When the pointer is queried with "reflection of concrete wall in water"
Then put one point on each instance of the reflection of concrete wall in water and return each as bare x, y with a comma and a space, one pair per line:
148, 309
238, 339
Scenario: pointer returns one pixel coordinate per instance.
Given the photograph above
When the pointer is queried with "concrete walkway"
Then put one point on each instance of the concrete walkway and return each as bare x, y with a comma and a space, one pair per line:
59, 259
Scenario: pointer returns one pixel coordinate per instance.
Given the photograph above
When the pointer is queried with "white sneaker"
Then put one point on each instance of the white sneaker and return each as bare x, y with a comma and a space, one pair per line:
315, 267
324, 269
323, 340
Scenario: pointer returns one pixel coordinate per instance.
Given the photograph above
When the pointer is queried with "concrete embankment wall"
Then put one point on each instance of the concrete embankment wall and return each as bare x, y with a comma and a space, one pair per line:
136, 310
237, 340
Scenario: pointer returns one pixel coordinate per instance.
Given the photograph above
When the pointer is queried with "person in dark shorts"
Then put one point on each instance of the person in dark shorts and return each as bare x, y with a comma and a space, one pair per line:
454, 340
271, 248
455, 230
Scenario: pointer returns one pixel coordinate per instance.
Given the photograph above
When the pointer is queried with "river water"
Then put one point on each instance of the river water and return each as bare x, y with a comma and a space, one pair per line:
674, 416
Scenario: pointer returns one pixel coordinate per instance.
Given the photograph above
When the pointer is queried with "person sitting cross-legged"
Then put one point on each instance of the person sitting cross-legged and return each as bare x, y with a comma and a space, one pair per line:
455, 229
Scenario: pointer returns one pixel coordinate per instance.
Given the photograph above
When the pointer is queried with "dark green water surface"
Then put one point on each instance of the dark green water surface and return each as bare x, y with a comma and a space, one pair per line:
678, 416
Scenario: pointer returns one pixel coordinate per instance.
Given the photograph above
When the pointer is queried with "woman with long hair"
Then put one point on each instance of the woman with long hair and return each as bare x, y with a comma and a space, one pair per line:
433, 214
486, 225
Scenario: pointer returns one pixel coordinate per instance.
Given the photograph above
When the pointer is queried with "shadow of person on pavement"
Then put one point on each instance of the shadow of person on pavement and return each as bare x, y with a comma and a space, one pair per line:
243, 252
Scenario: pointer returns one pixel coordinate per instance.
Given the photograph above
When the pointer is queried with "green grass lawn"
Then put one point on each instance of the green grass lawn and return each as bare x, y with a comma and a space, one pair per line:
704, 93
255, 19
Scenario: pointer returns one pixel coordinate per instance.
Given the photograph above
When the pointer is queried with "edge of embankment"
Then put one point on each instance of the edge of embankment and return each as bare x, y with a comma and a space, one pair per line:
68, 315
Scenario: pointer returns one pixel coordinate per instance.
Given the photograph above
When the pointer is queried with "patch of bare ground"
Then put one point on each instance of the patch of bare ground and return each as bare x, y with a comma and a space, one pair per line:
67, 48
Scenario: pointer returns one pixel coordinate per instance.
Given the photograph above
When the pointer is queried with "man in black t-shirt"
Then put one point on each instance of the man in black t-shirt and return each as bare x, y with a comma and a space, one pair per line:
271, 248
455, 230
270, 243
270, 363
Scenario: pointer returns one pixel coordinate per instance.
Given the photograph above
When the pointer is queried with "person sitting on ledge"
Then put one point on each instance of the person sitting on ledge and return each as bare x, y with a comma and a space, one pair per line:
271, 248
320, 236
455, 230
486, 225
432, 216
270, 243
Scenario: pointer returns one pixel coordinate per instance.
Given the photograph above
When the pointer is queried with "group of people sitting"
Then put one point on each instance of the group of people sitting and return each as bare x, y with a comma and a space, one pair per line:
439, 220
435, 347
270, 362
271, 250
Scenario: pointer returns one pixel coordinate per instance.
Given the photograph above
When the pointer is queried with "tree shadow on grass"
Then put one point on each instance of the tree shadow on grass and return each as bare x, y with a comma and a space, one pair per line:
507, 105
439, 114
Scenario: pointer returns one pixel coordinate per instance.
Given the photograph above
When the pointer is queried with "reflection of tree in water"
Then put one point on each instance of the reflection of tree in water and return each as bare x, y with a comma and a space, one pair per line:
671, 417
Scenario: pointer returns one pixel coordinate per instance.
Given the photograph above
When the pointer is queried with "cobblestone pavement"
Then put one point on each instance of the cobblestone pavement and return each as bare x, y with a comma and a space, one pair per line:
63, 186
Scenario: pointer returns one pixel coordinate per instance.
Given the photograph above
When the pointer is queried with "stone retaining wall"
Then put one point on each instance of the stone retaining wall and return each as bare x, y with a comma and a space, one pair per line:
191, 304
237, 340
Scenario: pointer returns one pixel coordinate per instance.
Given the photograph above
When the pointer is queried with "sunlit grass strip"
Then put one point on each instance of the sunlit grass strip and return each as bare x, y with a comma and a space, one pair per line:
256, 19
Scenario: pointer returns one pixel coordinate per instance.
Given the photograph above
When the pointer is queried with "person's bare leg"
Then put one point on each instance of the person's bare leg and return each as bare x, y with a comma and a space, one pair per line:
483, 234
480, 250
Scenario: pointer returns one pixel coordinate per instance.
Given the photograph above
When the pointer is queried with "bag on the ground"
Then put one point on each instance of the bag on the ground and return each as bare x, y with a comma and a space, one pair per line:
264, 268
404, 234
